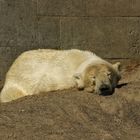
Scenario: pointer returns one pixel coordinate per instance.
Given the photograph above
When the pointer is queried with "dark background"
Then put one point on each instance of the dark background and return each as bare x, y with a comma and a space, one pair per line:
110, 28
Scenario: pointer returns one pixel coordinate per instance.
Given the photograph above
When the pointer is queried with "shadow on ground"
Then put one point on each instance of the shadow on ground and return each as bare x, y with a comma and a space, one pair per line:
77, 115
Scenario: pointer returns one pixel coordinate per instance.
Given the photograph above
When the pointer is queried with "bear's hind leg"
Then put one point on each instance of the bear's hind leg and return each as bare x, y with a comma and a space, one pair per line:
12, 93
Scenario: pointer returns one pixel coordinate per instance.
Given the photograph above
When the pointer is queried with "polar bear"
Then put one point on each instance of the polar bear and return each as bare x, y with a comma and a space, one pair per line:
44, 70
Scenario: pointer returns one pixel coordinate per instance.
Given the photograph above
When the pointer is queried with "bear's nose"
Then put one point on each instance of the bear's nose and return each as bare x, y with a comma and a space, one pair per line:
81, 88
104, 88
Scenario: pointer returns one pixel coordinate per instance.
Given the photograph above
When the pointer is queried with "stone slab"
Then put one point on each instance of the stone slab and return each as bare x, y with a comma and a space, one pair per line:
61, 7
48, 32
110, 37
18, 23
89, 7
113, 7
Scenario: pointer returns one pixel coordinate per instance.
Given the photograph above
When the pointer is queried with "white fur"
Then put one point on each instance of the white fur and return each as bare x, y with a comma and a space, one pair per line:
45, 70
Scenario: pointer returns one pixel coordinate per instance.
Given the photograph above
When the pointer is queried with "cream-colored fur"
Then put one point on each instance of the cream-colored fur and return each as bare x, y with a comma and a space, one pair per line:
46, 70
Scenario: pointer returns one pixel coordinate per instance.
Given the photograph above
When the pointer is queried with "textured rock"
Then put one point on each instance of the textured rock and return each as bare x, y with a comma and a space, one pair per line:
113, 7
62, 7
112, 37
17, 23
89, 7
49, 32
75, 115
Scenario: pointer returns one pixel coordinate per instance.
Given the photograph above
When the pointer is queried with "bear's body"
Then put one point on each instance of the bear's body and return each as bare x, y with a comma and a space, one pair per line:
45, 70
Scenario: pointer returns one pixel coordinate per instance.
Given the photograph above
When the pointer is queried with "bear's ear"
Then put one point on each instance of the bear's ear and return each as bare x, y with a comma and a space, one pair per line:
117, 66
77, 76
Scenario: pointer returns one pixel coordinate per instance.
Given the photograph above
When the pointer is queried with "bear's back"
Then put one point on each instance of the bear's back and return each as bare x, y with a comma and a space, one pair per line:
49, 59
50, 69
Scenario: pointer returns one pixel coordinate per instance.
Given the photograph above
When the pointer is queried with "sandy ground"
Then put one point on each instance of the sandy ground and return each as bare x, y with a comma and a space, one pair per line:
77, 115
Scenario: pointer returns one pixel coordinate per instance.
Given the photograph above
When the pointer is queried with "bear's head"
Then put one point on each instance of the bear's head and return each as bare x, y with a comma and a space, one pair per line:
99, 78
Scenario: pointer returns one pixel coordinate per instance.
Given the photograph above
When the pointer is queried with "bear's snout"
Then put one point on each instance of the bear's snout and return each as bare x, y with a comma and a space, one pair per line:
106, 90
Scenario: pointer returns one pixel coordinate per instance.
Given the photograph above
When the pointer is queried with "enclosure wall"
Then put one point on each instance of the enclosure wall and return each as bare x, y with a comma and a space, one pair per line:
110, 28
